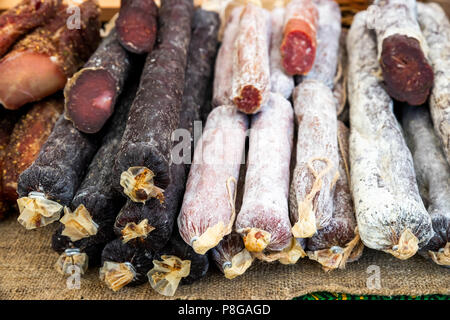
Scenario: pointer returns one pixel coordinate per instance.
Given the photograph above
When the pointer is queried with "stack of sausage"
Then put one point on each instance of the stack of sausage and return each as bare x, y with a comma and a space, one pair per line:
400, 50
116, 169
260, 54
106, 170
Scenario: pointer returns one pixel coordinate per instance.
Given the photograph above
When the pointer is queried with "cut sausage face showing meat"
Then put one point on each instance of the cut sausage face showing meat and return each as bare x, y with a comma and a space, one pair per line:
389, 211
208, 210
402, 50
316, 171
298, 48
264, 217
251, 68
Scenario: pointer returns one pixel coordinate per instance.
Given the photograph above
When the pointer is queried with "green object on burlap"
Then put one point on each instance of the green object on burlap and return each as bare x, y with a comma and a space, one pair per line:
27, 272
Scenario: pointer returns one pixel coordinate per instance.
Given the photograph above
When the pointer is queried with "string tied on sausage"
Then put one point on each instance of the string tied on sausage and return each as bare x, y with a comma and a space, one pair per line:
305, 227
213, 235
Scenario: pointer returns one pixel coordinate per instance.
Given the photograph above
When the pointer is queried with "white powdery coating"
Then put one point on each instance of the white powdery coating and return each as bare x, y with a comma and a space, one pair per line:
383, 180
326, 61
315, 111
280, 81
251, 65
436, 29
390, 17
224, 61
433, 172
265, 203
217, 157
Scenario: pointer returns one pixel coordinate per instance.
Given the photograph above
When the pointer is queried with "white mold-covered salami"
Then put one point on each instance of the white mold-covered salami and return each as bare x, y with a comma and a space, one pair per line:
263, 220
325, 63
433, 178
436, 29
280, 81
316, 171
224, 62
251, 68
389, 211
208, 210
402, 50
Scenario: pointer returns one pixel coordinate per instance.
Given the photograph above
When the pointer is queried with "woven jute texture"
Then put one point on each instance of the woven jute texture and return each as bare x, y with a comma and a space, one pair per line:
26, 272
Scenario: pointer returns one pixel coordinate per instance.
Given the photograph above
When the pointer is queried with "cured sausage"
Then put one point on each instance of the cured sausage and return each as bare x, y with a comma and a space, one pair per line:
251, 68
24, 17
329, 30
39, 64
436, 29
339, 242
137, 25
298, 47
87, 224
316, 171
143, 160
224, 63
231, 257
263, 220
27, 138
123, 264
389, 211
177, 263
90, 95
433, 178
402, 50
151, 224
199, 70
52, 180
280, 81
212, 180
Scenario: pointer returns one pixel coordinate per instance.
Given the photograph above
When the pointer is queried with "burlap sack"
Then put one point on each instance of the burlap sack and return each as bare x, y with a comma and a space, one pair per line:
27, 272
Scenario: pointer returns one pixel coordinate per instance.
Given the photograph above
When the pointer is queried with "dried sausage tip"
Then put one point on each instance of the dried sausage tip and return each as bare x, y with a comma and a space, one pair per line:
442, 256
71, 258
289, 255
133, 231
230, 255
166, 275
138, 185
117, 275
37, 211
78, 224
336, 256
251, 67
